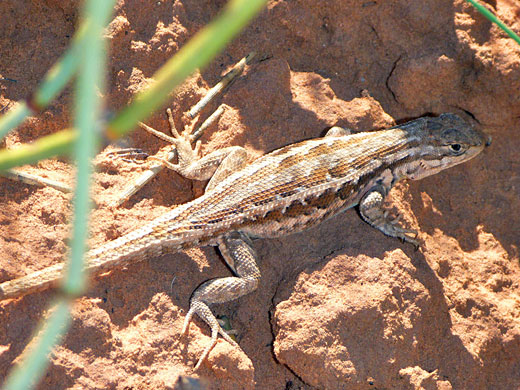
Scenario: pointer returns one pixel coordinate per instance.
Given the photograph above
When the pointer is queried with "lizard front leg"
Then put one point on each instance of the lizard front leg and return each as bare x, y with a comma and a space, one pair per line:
372, 212
337, 131
237, 250
215, 166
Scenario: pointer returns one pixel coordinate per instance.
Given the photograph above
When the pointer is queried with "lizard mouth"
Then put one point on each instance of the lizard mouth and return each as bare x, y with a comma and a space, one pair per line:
428, 167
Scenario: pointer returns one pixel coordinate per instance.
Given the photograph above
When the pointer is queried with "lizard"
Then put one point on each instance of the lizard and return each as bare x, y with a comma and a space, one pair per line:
282, 192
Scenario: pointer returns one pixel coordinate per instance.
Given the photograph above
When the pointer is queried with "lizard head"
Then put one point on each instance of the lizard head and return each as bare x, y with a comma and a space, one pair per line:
445, 141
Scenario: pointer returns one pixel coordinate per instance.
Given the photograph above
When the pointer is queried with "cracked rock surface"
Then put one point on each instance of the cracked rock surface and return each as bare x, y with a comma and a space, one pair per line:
339, 306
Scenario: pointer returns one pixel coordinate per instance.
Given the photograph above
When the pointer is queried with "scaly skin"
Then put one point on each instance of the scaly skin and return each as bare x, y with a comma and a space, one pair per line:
282, 192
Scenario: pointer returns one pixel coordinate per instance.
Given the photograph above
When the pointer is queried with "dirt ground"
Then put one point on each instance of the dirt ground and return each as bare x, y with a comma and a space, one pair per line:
340, 306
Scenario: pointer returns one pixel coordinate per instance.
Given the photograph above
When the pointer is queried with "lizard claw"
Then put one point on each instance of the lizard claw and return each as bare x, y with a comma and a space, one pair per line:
396, 220
404, 235
132, 155
204, 312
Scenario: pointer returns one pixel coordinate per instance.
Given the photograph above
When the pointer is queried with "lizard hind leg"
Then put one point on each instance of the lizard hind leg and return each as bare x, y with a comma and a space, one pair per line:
237, 250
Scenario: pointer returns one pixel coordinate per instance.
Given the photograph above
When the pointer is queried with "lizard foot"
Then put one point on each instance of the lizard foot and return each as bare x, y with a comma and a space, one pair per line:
203, 311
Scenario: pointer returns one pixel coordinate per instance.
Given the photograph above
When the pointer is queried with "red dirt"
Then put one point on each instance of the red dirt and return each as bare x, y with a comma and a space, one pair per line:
339, 306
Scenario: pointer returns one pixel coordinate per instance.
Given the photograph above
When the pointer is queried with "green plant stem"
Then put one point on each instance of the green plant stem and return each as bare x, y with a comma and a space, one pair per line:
53, 83
87, 119
61, 72
488, 14
88, 104
13, 118
194, 55
26, 375
45, 147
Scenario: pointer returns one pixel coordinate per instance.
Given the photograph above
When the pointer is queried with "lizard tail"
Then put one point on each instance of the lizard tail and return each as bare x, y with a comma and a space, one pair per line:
34, 282
132, 247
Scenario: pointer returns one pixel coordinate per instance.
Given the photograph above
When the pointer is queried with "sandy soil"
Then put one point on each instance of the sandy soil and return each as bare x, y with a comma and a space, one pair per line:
340, 306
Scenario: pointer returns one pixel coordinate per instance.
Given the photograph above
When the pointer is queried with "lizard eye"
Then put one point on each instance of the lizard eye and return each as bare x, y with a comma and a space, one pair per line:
456, 148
